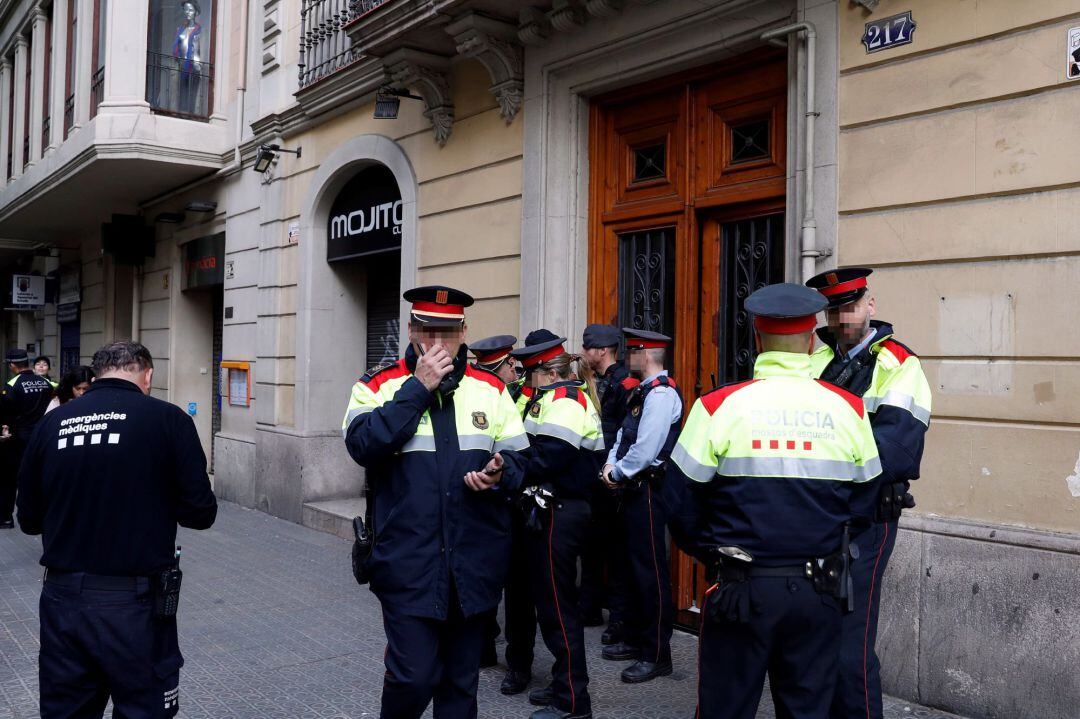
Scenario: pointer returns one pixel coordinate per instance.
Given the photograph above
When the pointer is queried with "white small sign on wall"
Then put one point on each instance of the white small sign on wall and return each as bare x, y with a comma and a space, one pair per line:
27, 290
294, 232
230, 269
1072, 54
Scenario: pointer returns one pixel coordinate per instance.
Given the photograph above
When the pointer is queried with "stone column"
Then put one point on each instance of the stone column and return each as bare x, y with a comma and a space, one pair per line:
125, 55
5, 113
37, 82
58, 68
84, 61
19, 106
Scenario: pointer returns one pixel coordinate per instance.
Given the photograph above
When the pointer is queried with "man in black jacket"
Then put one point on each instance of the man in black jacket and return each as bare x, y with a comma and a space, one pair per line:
23, 401
105, 481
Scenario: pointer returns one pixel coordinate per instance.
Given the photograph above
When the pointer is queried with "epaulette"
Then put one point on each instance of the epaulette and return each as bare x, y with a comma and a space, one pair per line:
485, 375
663, 380
629, 383
855, 401
898, 350
712, 400
571, 393
375, 376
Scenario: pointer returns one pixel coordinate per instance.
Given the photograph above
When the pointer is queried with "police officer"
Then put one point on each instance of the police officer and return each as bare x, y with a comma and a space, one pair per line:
861, 355
772, 468
104, 482
635, 467
605, 552
561, 474
439, 440
22, 404
492, 354
42, 367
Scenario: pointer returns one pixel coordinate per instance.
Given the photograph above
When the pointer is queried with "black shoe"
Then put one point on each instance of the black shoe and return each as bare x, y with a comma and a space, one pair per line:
514, 682
488, 657
641, 671
7, 524
613, 634
553, 713
621, 652
542, 697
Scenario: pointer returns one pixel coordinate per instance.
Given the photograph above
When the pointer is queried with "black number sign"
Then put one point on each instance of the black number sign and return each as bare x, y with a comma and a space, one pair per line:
888, 32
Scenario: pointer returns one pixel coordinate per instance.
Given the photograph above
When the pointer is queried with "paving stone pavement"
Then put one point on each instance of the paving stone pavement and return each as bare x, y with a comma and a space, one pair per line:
273, 625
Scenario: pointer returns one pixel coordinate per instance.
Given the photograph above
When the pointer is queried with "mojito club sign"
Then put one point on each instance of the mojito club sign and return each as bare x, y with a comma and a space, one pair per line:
366, 217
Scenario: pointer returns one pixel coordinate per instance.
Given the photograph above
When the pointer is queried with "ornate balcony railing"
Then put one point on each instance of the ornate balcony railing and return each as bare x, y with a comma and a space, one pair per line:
97, 89
69, 114
45, 125
325, 48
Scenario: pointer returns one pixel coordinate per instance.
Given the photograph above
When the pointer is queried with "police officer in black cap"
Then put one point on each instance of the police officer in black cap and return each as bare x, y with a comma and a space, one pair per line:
774, 468
105, 481
439, 440
635, 467
605, 552
862, 355
492, 354
519, 604
23, 402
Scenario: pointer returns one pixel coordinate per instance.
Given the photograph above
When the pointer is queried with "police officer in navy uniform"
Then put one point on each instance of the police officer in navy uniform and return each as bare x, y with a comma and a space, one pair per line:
105, 481
566, 446
605, 564
773, 469
492, 354
23, 402
861, 355
439, 440
635, 468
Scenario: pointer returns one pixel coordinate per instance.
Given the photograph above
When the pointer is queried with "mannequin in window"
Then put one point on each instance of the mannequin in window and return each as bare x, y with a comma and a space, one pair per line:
186, 50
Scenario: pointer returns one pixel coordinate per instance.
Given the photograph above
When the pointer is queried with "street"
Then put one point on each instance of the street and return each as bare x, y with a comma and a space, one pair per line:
273, 625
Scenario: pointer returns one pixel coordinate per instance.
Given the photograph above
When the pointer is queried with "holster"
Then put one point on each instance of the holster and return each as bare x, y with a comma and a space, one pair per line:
831, 575
363, 546
893, 499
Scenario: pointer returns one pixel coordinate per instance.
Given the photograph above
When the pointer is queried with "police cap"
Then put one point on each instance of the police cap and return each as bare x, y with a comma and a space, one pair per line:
600, 336
492, 351
841, 287
785, 308
533, 355
540, 336
17, 356
438, 306
644, 339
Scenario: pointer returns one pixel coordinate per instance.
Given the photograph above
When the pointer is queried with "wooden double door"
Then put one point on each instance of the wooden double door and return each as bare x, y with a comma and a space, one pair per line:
687, 197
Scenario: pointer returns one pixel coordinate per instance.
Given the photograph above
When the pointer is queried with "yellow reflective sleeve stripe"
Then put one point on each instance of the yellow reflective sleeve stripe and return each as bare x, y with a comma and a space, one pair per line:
694, 453
866, 449
361, 401
901, 385
11, 382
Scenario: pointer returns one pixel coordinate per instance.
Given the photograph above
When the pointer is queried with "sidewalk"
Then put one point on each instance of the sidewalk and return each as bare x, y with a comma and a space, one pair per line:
273, 625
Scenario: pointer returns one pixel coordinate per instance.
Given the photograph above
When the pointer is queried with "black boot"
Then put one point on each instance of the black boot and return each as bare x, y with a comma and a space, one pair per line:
514, 682
553, 713
641, 671
542, 696
613, 634
621, 652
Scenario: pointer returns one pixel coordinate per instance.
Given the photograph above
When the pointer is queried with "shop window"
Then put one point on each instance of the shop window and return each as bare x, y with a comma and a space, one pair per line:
179, 58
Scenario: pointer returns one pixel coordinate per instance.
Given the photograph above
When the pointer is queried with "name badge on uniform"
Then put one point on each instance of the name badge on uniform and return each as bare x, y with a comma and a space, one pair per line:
479, 420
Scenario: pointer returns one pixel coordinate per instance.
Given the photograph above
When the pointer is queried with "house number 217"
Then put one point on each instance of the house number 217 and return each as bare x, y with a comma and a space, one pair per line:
888, 32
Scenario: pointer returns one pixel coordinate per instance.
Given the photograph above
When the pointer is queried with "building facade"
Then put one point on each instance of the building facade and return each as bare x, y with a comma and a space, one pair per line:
639, 162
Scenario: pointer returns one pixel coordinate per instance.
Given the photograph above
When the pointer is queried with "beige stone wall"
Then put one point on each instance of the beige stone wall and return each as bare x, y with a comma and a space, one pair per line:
959, 173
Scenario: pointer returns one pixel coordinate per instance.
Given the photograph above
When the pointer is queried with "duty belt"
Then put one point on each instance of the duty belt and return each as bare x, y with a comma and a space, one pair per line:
84, 580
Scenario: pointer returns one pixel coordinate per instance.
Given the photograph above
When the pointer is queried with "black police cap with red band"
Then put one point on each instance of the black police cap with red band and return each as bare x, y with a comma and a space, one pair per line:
841, 287
645, 339
490, 352
438, 306
785, 308
534, 355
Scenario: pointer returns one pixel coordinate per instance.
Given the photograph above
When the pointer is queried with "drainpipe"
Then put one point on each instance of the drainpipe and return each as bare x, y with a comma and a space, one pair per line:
241, 89
136, 304
808, 240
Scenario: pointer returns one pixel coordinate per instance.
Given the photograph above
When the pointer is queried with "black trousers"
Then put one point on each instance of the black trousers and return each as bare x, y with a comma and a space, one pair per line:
553, 555
11, 452
793, 635
98, 644
604, 561
858, 686
520, 605
430, 660
650, 611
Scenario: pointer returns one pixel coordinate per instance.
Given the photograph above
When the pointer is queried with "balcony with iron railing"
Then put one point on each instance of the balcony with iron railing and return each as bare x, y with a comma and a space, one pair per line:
325, 46
46, 125
97, 89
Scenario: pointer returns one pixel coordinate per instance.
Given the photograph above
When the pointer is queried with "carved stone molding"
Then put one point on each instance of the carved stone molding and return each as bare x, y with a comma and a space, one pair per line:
604, 8
429, 75
533, 26
566, 16
870, 5
492, 43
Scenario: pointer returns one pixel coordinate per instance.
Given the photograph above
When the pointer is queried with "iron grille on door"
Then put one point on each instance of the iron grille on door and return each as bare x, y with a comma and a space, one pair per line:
752, 254
647, 280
